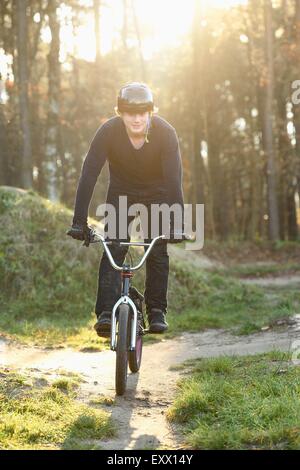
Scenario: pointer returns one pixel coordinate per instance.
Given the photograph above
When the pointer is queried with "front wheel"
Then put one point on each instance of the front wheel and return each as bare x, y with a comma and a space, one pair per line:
123, 338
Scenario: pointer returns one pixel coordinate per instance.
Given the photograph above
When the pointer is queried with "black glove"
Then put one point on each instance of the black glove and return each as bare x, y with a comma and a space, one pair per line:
81, 232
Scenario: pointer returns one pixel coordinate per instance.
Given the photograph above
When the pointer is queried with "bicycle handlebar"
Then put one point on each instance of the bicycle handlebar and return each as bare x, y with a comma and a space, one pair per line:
97, 237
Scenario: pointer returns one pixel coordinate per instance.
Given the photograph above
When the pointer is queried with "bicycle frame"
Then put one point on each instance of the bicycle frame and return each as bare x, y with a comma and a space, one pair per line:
126, 274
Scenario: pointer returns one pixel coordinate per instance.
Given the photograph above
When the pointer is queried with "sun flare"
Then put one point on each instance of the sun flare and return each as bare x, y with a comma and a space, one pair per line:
162, 23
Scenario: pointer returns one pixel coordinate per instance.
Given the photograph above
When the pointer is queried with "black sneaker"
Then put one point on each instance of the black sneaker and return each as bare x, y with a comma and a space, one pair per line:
103, 324
157, 321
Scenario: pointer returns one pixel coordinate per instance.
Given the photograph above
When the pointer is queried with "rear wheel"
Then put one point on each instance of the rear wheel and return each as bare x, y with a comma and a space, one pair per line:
135, 357
123, 337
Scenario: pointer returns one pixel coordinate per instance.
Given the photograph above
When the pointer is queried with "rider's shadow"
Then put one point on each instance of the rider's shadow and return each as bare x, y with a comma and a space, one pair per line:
146, 442
129, 403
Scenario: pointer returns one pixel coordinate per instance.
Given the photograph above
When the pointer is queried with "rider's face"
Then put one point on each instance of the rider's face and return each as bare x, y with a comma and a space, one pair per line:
136, 123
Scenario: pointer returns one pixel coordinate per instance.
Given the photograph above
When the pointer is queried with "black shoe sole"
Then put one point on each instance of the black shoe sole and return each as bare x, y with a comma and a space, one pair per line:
103, 329
158, 329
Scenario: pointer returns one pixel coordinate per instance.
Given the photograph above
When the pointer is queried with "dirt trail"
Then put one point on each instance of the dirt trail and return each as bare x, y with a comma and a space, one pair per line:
140, 413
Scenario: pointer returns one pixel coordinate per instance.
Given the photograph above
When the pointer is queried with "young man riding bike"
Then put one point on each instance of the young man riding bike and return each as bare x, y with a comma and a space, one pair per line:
144, 159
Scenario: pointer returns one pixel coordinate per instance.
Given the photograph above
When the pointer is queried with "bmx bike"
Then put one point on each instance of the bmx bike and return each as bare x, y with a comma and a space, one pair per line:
127, 324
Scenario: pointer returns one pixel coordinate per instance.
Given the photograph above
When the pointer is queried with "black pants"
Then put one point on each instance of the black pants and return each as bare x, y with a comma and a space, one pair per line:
157, 263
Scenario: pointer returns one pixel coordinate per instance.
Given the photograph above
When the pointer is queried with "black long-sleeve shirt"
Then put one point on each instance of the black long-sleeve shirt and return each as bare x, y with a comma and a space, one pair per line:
156, 166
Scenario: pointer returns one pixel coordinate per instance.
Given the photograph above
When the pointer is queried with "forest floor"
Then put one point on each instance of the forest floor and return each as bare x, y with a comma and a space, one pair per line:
140, 415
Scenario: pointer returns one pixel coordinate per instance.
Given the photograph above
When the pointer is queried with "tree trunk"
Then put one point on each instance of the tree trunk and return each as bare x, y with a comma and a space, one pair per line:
54, 151
22, 40
198, 112
296, 108
256, 179
4, 149
97, 5
197, 102
125, 25
268, 130
138, 35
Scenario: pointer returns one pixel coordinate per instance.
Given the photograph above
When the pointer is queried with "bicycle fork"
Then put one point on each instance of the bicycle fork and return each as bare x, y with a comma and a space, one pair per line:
126, 275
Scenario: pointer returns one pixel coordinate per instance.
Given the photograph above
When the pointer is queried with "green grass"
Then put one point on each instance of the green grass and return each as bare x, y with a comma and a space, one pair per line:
65, 384
48, 280
102, 400
212, 300
48, 416
240, 403
49, 284
245, 251
260, 270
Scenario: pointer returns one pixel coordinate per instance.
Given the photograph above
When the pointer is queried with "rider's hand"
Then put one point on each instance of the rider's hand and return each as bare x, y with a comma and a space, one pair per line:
81, 232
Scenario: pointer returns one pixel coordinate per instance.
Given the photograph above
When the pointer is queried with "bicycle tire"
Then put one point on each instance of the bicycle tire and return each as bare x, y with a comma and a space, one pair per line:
135, 357
123, 336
